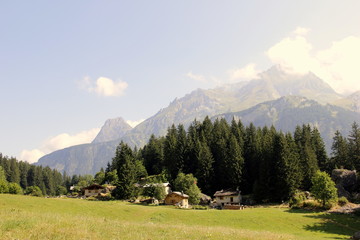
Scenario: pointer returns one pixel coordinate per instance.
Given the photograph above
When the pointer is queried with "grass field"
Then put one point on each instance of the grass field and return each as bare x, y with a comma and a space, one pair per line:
23, 217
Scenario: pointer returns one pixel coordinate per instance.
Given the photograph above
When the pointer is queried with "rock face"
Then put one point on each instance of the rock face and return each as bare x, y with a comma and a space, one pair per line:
113, 129
345, 181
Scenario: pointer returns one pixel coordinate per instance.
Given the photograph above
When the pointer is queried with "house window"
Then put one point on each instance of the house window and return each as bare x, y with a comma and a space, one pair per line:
231, 199
89, 191
221, 198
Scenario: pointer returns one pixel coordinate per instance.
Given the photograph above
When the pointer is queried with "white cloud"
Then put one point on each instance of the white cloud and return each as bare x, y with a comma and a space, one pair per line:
196, 77
59, 142
104, 86
31, 156
246, 73
337, 65
135, 123
301, 31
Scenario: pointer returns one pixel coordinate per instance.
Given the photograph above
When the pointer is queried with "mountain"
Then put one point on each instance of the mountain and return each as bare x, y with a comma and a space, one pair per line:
113, 129
270, 85
287, 112
351, 102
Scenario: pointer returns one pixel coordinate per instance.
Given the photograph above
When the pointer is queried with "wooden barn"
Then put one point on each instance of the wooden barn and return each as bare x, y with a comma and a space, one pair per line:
177, 198
93, 190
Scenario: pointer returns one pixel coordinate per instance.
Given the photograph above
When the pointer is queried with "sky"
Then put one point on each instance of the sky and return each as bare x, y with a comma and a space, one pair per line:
68, 66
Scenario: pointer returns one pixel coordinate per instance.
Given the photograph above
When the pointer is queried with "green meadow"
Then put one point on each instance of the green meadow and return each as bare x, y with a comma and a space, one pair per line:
24, 217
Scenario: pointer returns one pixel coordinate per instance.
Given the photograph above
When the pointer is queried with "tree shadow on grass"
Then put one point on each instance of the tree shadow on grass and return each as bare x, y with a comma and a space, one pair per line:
332, 223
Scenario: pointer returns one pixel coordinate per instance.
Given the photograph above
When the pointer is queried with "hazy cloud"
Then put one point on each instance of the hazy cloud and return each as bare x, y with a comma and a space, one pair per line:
104, 86
337, 65
31, 156
59, 142
196, 77
301, 31
246, 73
135, 123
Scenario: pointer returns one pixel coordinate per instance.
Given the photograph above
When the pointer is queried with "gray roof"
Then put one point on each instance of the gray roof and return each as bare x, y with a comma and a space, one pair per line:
228, 192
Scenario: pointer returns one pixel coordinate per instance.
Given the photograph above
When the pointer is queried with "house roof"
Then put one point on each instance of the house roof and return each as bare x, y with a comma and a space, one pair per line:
228, 192
157, 185
93, 186
180, 194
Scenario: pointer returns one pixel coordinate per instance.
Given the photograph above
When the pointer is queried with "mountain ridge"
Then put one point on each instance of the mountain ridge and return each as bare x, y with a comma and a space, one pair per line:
197, 105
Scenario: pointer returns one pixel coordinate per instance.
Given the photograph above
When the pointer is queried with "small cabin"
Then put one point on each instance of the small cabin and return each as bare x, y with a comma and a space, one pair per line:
227, 197
94, 190
177, 198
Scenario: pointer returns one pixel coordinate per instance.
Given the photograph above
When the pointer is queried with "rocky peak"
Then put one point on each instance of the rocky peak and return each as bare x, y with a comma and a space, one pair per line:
112, 129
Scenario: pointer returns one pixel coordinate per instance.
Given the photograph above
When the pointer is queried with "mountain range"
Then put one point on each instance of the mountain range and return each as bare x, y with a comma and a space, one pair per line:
274, 98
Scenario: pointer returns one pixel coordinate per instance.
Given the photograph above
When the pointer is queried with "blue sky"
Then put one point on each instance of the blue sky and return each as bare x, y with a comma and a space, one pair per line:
67, 66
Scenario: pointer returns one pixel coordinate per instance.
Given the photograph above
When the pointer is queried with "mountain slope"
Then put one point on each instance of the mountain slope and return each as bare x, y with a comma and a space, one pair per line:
113, 129
351, 102
270, 85
287, 112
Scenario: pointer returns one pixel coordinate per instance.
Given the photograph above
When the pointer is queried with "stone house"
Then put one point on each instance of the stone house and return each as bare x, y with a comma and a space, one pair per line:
227, 197
177, 198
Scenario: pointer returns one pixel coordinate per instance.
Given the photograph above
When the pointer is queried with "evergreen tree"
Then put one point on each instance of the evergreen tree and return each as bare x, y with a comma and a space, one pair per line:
354, 146
204, 171
320, 151
234, 163
170, 152
153, 155
252, 159
219, 151
124, 161
264, 184
14, 174
340, 152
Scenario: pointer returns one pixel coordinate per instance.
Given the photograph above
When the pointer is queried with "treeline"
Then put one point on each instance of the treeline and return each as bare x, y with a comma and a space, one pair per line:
264, 162
19, 177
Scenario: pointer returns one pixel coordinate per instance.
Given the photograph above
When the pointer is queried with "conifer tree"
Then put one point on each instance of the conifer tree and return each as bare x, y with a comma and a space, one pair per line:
170, 151
354, 146
234, 163
340, 152
204, 172
320, 151
124, 161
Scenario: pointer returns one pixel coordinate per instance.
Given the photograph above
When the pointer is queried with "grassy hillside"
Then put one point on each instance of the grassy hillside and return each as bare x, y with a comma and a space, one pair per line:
23, 217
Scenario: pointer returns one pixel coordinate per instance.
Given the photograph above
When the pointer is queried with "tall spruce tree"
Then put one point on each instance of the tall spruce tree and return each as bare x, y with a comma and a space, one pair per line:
124, 161
234, 163
170, 152
340, 152
354, 146
205, 171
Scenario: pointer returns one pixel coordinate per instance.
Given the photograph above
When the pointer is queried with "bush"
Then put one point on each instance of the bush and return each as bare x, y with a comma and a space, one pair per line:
343, 201
15, 188
4, 187
61, 190
297, 200
312, 205
33, 191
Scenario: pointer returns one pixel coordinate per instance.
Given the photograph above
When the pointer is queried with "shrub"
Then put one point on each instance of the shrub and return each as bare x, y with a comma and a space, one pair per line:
312, 205
297, 200
343, 201
357, 212
15, 188
61, 190
33, 191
